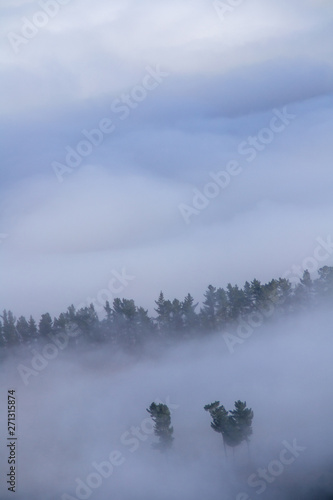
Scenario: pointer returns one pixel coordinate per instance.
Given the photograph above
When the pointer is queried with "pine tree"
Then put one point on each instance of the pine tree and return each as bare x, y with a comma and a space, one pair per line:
234, 427
324, 284
237, 301
243, 417
190, 317
146, 329
304, 292
45, 325
161, 416
129, 313
107, 324
108, 312
208, 311
257, 293
88, 323
9, 331
23, 329
164, 310
176, 318
222, 308
33, 331
2, 338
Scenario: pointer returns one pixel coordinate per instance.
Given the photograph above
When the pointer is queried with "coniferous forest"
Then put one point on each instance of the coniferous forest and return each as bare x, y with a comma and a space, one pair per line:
128, 326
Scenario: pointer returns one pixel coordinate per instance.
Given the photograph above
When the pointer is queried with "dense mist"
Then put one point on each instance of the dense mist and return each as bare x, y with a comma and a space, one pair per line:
151, 148
88, 407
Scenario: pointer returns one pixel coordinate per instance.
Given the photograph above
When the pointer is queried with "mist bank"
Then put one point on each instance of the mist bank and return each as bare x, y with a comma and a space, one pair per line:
81, 411
128, 327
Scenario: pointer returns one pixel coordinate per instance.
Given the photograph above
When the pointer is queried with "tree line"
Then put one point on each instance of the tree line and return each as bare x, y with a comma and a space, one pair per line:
128, 326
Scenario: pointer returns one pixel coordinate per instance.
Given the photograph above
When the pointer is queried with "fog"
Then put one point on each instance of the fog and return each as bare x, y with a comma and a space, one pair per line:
221, 78
88, 406
153, 145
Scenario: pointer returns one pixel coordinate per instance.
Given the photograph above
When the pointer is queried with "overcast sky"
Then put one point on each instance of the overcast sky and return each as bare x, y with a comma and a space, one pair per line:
161, 145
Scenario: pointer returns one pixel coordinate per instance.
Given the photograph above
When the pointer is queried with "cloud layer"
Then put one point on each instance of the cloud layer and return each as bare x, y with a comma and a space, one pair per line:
218, 80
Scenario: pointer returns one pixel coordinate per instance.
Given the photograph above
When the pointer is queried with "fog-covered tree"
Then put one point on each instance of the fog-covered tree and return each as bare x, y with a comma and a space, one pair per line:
163, 311
237, 301
146, 329
243, 417
45, 325
304, 292
87, 322
176, 318
129, 326
190, 317
209, 309
161, 416
222, 308
324, 284
23, 329
9, 332
234, 427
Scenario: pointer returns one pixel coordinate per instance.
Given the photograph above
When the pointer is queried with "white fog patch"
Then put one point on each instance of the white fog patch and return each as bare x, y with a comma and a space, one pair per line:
84, 430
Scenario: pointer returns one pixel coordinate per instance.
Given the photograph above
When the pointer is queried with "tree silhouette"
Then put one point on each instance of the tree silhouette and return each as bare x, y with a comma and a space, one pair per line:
235, 427
161, 416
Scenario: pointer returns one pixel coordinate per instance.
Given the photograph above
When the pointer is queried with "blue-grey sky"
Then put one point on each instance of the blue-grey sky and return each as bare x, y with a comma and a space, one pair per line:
174, 144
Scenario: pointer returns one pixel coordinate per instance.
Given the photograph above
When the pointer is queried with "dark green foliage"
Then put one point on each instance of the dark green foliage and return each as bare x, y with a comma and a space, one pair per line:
10, 335
234, 426
190, 317
128, 327
45, 325
304, 291
23, 329
209, 309
324, 285
243, 417
161, 416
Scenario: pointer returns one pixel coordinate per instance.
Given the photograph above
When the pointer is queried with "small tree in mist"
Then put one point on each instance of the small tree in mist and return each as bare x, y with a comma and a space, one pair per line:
161, 416
235, 427
243, 417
